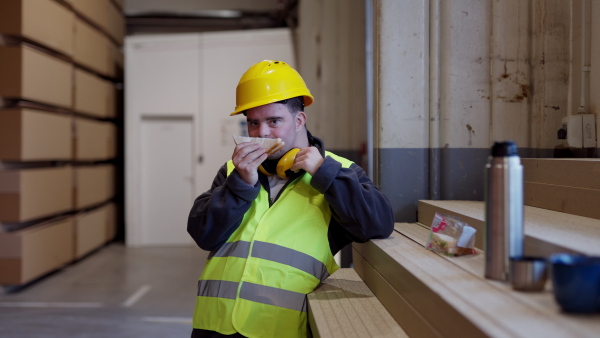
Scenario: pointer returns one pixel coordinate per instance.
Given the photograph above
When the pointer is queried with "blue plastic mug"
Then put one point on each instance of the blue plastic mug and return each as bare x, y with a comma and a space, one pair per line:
576, 282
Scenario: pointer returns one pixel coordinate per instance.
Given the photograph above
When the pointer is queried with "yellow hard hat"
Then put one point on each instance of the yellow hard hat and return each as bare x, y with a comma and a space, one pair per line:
269, 81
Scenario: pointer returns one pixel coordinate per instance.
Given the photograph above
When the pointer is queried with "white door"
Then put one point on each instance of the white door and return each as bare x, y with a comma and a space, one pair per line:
166, 179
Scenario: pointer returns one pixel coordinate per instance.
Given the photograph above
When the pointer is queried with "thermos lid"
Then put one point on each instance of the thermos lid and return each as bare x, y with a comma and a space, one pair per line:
503, 149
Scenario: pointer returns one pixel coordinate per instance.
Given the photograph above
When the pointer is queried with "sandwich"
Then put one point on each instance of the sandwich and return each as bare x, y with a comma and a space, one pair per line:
443, 243
271, 145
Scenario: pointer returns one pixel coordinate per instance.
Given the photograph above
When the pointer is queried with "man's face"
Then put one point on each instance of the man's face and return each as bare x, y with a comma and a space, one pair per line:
274, 121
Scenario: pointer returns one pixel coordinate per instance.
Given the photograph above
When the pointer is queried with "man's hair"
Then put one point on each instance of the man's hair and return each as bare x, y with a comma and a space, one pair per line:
294, 104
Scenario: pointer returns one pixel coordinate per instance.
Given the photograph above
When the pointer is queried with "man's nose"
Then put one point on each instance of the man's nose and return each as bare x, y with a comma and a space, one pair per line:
264, 130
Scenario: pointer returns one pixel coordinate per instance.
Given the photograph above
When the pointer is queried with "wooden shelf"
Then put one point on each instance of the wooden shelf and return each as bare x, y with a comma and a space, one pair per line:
434, 295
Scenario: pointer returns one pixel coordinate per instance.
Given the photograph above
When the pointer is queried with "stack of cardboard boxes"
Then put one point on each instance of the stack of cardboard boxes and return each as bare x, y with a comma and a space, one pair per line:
60, 67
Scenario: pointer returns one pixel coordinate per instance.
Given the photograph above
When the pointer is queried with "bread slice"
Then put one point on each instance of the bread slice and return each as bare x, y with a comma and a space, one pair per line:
272, 145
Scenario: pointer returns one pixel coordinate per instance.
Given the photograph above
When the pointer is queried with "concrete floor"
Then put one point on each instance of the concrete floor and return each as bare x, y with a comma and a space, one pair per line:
114, 292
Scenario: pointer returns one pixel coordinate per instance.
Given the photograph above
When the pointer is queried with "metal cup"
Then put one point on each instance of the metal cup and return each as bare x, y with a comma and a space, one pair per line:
528, 273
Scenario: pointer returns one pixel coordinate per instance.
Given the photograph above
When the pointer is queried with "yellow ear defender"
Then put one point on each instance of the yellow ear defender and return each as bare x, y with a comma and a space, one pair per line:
284, 164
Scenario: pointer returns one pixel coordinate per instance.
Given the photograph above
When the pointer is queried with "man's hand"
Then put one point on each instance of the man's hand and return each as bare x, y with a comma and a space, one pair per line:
247, 157
308, 159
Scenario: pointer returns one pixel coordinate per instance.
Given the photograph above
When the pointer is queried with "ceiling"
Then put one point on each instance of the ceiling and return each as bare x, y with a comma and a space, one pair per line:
170, 16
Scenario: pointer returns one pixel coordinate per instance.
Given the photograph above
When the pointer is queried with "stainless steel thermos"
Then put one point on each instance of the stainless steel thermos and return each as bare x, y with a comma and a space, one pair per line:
503, 210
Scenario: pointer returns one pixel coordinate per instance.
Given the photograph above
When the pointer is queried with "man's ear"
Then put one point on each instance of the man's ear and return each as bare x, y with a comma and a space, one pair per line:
300, 120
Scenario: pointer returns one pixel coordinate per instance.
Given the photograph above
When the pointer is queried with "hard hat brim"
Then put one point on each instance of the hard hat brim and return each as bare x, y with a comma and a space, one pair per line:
308, 100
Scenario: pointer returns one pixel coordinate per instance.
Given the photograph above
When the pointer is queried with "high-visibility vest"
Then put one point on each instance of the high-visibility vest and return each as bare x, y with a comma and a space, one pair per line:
256, 283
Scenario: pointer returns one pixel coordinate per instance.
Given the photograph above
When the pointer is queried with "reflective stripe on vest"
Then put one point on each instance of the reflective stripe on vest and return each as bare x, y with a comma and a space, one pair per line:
275, 253
254, 292
232, 249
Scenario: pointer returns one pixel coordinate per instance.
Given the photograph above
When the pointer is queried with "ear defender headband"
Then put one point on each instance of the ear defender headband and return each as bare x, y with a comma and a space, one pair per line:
284, 165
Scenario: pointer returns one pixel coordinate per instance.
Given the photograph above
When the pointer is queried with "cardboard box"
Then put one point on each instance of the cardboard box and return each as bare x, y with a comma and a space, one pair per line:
34, 135
118, 60
93, 49
120, 3
32, 252
93, 184
30, 74
111, 222
93, 95
94, 140
43, 21
29, 194
579, 173
116, 23
105, 15
90, 231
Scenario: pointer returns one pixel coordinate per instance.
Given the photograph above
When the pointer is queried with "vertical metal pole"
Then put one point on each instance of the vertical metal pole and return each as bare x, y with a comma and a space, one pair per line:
369, 22
583, 88
435, 17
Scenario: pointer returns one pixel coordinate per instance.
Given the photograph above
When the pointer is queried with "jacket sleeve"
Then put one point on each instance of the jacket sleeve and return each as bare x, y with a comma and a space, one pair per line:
217, 213
357, 205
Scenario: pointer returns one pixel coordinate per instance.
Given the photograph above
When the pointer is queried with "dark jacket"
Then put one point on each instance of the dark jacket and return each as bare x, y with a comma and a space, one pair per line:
359, 210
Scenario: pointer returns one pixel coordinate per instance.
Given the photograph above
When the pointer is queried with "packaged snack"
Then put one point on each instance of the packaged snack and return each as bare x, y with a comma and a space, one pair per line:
450, 236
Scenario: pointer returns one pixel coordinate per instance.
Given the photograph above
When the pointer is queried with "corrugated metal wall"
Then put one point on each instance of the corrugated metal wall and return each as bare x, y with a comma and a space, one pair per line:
451, 77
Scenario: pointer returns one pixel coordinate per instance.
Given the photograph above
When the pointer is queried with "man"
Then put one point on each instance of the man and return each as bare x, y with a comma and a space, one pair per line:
272, 239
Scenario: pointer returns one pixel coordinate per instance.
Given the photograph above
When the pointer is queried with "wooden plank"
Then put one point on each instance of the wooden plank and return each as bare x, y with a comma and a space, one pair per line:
546, 231
408, 276
460, 301
409, 319
343, 306
570, 200
542, 302
581, 173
